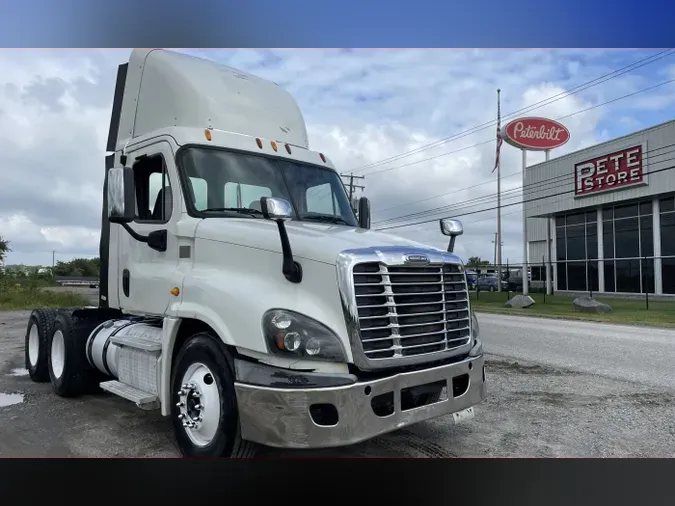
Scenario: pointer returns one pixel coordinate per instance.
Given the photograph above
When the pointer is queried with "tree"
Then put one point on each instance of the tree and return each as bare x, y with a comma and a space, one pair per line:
4, 248
87, 267
477, 262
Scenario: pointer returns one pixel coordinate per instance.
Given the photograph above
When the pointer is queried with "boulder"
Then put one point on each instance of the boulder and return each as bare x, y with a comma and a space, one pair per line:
520, 302
588, 304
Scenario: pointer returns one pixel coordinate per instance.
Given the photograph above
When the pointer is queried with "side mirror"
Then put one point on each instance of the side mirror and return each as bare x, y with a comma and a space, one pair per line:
121, 195
276, 209
451, 228
364, 212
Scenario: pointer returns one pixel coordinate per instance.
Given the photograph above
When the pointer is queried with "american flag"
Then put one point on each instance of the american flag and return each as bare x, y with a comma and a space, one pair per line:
499, 134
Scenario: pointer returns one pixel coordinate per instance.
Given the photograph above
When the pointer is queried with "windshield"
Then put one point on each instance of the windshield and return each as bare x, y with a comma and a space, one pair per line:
224, 183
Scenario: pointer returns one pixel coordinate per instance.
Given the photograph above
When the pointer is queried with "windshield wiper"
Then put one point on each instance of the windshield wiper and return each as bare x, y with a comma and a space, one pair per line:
327, 219
241, 210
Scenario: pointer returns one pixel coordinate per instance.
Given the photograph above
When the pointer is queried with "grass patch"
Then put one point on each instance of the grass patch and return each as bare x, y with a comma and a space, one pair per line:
624, 311
30, 295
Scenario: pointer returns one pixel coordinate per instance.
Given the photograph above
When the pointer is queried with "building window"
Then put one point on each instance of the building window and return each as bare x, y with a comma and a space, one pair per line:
668, 269
593, 276
562, 275
610, 286
628, 276
576, 243
626, 238
668, 244
668, 234
628, 247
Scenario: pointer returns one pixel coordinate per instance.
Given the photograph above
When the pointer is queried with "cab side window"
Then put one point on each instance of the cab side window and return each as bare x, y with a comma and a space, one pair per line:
154, 197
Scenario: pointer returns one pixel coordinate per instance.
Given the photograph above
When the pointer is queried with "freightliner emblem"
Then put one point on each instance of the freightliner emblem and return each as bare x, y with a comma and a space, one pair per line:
416, 259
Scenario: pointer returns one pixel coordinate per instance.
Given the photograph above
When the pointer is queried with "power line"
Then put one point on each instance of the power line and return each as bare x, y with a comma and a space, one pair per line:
538, 186
511, 204
531, 187
493, 140
582, 87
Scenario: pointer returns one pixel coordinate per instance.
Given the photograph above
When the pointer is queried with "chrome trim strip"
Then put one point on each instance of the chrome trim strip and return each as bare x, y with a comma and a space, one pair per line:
393, 256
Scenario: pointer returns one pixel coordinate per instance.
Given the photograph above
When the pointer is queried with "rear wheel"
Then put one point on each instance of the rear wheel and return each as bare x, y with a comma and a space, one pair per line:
40, 328
204, 405
70, 373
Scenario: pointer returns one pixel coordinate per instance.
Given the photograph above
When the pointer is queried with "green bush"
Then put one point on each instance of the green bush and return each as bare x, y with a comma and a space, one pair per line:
30, 294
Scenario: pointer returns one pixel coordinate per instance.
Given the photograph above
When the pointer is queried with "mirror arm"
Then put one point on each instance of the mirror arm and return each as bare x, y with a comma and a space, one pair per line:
134, 234
291, 269
451, 245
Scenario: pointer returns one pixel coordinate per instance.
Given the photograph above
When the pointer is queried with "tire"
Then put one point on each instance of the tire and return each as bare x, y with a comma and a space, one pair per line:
38, 332
203, 362
70, 373
492, 288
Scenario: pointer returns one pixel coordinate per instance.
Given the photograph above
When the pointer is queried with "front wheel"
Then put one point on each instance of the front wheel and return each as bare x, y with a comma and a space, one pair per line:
204, 404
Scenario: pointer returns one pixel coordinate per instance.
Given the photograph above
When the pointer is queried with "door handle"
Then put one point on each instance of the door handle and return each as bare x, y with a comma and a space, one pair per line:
125, 282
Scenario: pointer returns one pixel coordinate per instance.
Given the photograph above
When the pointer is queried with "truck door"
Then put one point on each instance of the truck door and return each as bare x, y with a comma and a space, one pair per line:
145, 273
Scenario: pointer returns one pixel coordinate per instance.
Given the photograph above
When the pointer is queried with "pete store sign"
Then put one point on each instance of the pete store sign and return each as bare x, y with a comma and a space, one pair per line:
616, 170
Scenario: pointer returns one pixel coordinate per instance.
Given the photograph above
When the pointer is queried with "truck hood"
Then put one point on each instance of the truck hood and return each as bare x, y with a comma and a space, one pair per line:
311, 241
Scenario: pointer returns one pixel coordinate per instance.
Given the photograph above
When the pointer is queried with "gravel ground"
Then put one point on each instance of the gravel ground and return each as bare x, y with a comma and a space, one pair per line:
534, 408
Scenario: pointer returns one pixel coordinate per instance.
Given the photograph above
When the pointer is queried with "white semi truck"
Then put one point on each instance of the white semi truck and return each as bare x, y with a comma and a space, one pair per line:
239, 294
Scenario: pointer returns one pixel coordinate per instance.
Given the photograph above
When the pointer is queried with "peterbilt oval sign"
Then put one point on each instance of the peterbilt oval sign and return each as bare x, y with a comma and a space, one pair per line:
535, 134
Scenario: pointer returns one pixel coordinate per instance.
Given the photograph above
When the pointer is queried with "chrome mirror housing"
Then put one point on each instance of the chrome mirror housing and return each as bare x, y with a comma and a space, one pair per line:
451, 227
276, 209
121, 195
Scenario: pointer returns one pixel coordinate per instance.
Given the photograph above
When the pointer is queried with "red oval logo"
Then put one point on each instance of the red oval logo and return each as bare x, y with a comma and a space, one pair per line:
535, 134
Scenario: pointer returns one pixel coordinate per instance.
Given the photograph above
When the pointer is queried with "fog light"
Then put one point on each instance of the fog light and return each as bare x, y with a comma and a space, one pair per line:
312, 347
292, 341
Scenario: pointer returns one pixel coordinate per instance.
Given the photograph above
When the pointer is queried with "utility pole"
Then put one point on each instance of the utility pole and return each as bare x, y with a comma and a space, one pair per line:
53, 263
352, 185
352, 200
495, 243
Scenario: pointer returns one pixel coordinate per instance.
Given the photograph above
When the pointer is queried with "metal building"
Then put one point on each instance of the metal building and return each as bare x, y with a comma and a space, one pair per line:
605, 215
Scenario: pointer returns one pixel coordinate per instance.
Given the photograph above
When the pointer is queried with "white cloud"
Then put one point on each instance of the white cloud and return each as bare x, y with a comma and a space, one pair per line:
360, 106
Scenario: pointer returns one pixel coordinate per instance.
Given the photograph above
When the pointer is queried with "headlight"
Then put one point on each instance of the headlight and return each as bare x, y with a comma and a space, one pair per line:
475, 329
293, 335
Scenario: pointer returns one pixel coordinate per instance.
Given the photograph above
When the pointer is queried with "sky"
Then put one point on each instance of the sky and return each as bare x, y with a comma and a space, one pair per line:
360, 106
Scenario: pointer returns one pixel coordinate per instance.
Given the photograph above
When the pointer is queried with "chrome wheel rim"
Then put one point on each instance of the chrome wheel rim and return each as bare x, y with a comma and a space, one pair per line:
33, 346
199, 404
58, 354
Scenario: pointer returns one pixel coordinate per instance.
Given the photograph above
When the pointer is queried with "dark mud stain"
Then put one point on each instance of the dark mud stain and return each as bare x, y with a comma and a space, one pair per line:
557, 399
500, 365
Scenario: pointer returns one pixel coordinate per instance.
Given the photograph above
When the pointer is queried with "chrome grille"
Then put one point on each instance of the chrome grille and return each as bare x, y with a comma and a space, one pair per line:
408, 310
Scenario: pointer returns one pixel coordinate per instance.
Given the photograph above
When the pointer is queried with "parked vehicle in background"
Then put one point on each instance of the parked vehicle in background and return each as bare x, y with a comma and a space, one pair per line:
490, 283
515, 284
471, 279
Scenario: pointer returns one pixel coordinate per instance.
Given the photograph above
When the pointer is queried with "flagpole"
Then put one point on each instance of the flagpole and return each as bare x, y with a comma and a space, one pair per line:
499, 200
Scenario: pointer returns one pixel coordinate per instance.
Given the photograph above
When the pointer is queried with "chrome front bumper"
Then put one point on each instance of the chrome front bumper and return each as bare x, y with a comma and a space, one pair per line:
280, 417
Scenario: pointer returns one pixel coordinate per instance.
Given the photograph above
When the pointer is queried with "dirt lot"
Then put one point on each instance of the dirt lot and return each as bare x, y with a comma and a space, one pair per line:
532, 410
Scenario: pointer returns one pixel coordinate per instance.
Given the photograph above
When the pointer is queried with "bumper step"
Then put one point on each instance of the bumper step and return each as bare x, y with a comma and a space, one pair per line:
143, 400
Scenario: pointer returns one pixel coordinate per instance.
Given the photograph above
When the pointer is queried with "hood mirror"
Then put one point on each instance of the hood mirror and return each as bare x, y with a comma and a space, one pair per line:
451, 228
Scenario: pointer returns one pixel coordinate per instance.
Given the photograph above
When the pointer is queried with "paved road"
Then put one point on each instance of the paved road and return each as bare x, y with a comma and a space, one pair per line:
637, 354
544, 400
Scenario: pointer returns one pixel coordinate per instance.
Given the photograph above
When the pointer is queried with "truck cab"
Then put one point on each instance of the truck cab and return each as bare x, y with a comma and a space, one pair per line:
240, 294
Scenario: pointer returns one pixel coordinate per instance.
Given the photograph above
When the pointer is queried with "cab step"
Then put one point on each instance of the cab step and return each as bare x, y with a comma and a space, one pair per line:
143, 400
